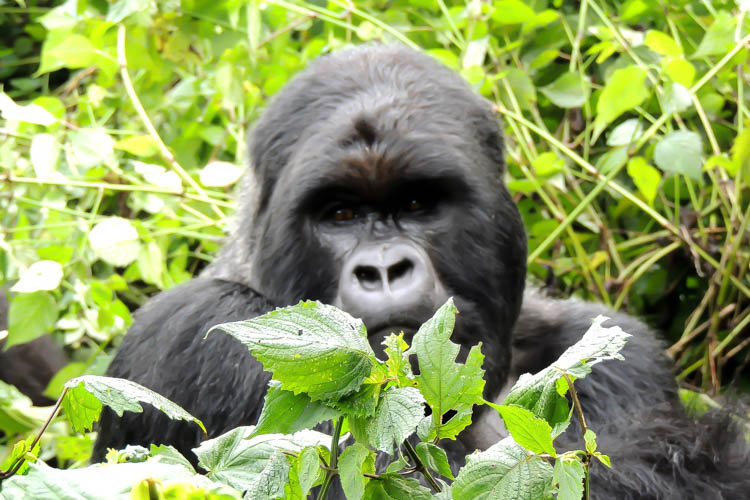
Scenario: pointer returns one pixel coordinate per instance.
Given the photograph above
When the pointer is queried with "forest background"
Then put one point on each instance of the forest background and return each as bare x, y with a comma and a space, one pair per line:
123, 128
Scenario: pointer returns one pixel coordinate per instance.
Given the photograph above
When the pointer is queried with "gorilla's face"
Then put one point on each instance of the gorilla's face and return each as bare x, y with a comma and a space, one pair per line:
388, 203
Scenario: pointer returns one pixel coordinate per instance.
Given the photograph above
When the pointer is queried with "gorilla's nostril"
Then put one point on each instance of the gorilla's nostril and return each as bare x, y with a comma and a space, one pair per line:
367, 274
399, 270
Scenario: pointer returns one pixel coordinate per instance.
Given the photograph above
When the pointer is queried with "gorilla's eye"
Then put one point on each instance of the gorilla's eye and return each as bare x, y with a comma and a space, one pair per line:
343, 214
414, 206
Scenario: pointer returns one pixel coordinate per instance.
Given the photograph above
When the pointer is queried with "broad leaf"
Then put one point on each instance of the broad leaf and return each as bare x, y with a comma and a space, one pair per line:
269, 483
311, 347
86, 395
395, 487
568, 475
542, 394
396, 417
238, 457
286, 413
506, 470
350, 470
625, 89
30, 316
435, 458
568, 91
645, 177
680, 151
527, 429
444, 383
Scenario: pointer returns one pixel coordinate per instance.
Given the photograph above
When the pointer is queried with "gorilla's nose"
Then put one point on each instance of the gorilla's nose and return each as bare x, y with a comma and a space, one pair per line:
388, 282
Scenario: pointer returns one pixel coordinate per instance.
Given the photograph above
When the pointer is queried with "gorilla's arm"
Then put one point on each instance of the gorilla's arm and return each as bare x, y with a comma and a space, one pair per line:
216, 379
658, 451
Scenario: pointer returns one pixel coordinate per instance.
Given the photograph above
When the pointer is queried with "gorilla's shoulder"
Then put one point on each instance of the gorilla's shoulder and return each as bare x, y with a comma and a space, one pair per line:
175, 322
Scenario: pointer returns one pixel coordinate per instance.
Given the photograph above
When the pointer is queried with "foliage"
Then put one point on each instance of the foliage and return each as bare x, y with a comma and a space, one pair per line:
123, 125
381, 409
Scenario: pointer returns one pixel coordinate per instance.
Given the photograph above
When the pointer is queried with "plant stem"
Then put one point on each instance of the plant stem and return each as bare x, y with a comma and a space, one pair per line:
331, 471
421, 468
584, 428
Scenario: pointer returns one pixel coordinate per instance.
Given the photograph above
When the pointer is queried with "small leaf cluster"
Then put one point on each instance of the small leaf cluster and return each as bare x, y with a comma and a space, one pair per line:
387, 421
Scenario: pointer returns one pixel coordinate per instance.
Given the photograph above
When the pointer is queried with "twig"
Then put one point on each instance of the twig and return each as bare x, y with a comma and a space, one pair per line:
420, 467
165, 152
331, 471
20, 461
584, 428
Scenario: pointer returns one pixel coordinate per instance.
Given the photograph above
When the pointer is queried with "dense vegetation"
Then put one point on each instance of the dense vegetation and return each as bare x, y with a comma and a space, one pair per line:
123, 124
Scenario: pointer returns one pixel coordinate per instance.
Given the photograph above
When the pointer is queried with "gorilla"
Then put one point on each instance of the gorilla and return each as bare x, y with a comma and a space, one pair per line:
376, 184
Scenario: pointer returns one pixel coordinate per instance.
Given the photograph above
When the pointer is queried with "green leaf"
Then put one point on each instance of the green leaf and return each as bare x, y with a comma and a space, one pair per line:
86, 395
396, 417
568, 475
680, 151
645, 177
590, 438
311, 347
238, 457
31, 113
395, 487
138, 145
676, 99
625, 133
30, 316
719, 38
527, 429
270, 481
115, 240
506, 470
568, 91
444, 383
350, 470
98, 481
286, 413
308, 469
679, 70
435, 458
540, 393
512, 12
661, 43
625, 89
62, 49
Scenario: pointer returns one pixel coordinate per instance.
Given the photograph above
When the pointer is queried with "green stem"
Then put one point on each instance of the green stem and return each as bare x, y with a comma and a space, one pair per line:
331, 471
419, 466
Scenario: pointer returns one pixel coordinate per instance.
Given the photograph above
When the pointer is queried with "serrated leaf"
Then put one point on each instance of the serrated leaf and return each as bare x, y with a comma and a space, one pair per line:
539, 393
528, 430
590, 438
435, 458
238, 457
568, 475
680, 151
362, 403
396, 418
311, 347
350, 471
115, 240
110, 481
86, 395
395, 487
624, 90
270, 481
568, 91
505, 470
444, 383
308, 468
30, 316
286, 413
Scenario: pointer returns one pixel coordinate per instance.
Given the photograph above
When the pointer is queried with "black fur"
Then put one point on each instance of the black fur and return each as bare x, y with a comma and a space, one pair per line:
380, 124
